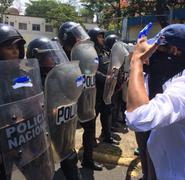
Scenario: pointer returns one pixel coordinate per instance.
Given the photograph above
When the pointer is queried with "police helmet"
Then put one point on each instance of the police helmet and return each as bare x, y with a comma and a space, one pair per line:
70, 33
110, 40
48, 52
9, 35
93, 33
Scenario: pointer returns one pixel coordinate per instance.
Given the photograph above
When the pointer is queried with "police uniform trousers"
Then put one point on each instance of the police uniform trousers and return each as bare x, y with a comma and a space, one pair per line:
105, 112
118, 106
88, 139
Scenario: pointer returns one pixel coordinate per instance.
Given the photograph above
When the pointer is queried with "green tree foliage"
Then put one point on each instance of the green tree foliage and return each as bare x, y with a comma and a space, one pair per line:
110, 13
40, 8
64, 12
149, 7
153, 7
4, 4
54, 11
86, 13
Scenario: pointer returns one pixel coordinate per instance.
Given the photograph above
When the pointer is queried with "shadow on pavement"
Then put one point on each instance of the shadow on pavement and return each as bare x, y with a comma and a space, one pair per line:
85, 174
132, 166
106, 154
109, 166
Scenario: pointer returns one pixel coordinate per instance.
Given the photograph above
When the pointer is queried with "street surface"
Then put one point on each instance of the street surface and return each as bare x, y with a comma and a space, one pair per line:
119, 161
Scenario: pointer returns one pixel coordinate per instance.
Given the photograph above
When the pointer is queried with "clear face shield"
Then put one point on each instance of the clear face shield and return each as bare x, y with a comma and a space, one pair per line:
79, 33
51, 55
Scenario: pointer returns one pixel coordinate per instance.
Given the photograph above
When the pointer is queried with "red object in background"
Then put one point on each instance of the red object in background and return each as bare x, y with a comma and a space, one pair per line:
123, 3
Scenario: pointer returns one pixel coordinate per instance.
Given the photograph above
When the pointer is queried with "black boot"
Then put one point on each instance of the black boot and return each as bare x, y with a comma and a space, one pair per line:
110, 141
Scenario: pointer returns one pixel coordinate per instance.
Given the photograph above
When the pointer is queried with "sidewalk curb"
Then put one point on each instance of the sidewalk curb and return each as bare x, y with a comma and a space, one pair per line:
117, 160
113, 159
108, 158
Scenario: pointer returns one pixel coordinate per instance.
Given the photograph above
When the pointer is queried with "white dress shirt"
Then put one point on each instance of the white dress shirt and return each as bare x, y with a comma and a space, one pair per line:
165, 116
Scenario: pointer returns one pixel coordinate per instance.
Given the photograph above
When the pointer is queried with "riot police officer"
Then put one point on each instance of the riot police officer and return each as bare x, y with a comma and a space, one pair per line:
11, 47
24, 141
12, 43
117, 100
109, 41
97, 36
72, 36
57, 73
48, 52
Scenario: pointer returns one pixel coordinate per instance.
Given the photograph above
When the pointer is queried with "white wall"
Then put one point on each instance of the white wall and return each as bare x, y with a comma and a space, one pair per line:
29, 34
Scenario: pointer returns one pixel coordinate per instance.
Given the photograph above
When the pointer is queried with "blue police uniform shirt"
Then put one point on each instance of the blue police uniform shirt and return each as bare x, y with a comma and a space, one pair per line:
165, 116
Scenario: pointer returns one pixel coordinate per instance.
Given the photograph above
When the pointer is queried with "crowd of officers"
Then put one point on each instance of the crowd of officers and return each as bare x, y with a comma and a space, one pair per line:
71, 33
12, 47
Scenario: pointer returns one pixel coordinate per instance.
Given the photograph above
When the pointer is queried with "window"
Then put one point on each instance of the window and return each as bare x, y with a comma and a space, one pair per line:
36, 27
48, 28
23, 26
11, 23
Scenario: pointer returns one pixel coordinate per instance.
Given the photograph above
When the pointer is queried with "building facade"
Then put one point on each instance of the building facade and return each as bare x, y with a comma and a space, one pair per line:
30, 27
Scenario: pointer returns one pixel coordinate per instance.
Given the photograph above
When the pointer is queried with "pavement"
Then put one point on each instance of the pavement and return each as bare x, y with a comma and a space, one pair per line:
119, 161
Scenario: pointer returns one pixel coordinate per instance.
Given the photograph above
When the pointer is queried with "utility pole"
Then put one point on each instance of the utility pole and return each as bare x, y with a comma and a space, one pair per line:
171, 13
118, 16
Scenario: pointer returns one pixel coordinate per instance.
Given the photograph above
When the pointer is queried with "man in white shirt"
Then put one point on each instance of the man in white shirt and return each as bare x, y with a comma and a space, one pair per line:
164, 114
